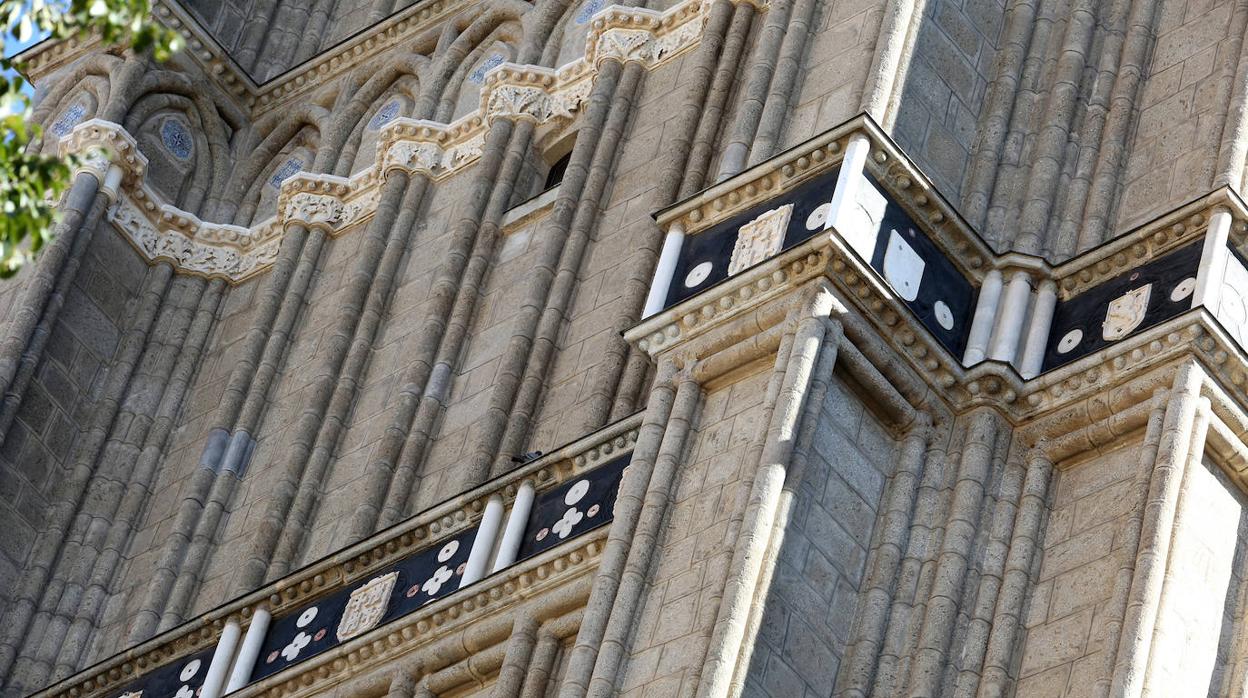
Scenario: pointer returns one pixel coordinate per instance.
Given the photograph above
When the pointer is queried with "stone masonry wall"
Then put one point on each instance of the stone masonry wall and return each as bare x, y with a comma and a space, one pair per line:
945, 87
814, 591
1208, 537
1174, 153
1063, 652
58, 404
693, 552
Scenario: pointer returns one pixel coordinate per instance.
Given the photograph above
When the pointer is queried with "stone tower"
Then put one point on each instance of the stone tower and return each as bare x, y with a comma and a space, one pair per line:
672, 348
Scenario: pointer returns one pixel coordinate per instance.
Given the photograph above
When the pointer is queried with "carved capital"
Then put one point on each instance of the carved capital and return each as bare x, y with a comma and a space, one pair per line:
518, 92
413, 156
625, 45
98, 144
517, 102
315, 201
313, 210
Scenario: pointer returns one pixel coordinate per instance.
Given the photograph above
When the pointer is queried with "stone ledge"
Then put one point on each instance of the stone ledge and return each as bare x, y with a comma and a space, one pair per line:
384, 548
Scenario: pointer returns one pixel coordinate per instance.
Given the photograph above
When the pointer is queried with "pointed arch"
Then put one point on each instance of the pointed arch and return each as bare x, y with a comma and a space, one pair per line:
348, 122
243, 194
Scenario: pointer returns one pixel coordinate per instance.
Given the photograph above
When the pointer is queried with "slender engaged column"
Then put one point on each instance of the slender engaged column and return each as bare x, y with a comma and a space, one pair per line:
665, 269
849, 182
250, 650
1213, 258
1009, 325
981, 323
516, 522
112, 182
1038, 332
220, 665
483, 544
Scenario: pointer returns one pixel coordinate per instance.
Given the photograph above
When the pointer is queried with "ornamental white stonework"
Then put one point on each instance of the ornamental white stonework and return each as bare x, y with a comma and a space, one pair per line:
366, 606
626, 45
313, 210
551, 98
413, 156
760, 239
1126, 312
518, 101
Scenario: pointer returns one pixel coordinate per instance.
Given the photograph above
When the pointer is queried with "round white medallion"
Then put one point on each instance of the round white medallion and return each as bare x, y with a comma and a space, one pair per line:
698, 274
1183, 289
306, 617
447, 551
1070, 341
576, 492
189, 670
944, 315
818, 217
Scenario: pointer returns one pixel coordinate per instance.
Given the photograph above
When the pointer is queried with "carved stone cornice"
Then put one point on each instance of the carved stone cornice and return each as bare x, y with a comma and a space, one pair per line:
429, 148
548, 573
97, 144
323, 202
990, 383
550, 98
1154, 239
1194, 334
615, 32
820, 155
555, 566
512, 91
193, 246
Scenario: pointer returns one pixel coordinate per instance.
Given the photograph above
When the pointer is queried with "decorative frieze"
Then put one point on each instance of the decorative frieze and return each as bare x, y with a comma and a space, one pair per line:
551, 98
759, 239
392, 582
1124, 302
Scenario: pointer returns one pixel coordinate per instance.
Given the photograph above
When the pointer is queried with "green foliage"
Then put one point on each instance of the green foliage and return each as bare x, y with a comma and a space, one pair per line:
31, 183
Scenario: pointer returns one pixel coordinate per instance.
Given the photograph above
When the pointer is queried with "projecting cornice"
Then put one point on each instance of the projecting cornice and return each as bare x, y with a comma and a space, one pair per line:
1201, 310
532, 580
550, 98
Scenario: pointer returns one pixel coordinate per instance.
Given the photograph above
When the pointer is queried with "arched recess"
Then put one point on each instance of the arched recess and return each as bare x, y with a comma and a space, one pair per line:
575, 28
288, 146
297, 156
398, 75
185, 134
461, 45
170, 134
492, 54
80, 106
76, 95
396, 102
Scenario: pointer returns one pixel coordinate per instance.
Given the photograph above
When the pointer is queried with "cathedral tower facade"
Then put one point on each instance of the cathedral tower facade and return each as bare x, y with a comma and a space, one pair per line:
667, 348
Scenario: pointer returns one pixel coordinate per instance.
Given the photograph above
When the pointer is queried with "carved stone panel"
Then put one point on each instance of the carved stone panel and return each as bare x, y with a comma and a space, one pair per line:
761, 238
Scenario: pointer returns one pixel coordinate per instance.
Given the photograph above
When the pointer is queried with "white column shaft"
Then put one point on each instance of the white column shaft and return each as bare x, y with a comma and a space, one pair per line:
848, 181
483, 544
249, 651
982, 321
1213, 258
221, 659
1010, 318
1038, 332
665, 269
516, 523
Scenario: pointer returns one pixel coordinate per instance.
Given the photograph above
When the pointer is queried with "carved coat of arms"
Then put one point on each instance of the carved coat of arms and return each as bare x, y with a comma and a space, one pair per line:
1125, 313
761, 238
366, 606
